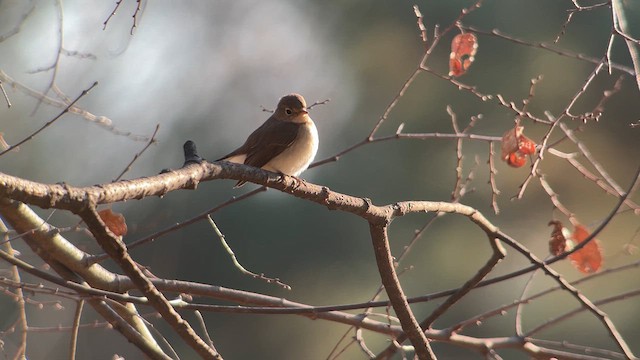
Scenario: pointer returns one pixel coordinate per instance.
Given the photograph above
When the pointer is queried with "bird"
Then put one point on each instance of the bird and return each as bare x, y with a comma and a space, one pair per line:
286, 143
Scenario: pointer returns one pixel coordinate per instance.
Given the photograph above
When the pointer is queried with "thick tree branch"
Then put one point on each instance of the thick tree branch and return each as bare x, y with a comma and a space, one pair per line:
45, 241
82, 201
144, 343
113, 245
396, 294
135, 332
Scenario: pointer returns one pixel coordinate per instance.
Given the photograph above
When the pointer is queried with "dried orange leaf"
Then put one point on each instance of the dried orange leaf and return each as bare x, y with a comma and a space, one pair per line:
589, 258
510, 141
463, 50
558, 241
526, 146
515, 147
516, 159
114, 221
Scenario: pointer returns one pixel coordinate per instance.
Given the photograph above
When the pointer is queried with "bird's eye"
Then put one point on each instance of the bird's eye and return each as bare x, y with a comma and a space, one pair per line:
288, 111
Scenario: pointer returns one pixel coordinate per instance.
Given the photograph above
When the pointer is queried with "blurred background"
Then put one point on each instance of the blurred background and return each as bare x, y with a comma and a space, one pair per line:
203, 71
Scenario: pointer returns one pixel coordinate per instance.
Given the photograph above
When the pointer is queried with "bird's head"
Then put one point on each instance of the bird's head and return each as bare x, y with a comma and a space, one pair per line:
292, 108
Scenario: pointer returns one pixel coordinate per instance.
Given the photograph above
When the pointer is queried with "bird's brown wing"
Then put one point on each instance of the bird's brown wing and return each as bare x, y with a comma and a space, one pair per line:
267, 142
276, 136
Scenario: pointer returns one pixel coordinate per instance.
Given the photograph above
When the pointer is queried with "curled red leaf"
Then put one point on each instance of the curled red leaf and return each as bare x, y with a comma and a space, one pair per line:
516, 159
516, 146
526, 145
589, 258
114, 221
463, 50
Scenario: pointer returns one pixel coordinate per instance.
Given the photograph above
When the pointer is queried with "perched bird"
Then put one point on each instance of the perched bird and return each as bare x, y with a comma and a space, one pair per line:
286, 143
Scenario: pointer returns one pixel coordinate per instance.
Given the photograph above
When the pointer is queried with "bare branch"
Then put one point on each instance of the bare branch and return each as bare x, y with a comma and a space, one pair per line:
74, 331
421, 27
492, 179
621, 28
113, 12
207, 338
101, 121
237, 264
46, 125
118, 252
4, 93
550, 48
152, 140
396, 294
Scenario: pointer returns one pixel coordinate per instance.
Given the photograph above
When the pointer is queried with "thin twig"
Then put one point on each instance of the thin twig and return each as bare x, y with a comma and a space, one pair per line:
159, 335
19, 297
532, 92
316, 103
237, 264
101, 121
587, 154
203, 325
487, 97
544, 46
401, 135
492, 179
571, 159
136, 156
458, 182
569, 314
584, 349
520, 307
421, 27
555, 199
502, 309
55, 65
555, 122
4, 93
66, 110
498, 253
113, 12
74, 332
563, 29
135, 16
180, 225
363, 346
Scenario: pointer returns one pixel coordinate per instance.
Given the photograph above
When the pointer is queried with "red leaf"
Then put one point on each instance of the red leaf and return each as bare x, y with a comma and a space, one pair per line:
516, 159
526, 145
515, 147
463, 49
589, 258
114, 221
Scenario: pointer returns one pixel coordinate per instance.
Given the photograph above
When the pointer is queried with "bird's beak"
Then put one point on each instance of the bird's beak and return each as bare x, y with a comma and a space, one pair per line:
304, 111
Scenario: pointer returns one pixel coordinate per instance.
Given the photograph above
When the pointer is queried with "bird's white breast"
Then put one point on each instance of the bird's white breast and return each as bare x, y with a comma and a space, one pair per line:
297, 158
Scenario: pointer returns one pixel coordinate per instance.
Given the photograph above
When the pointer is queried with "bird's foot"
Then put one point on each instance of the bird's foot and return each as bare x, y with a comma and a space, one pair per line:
296, 180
